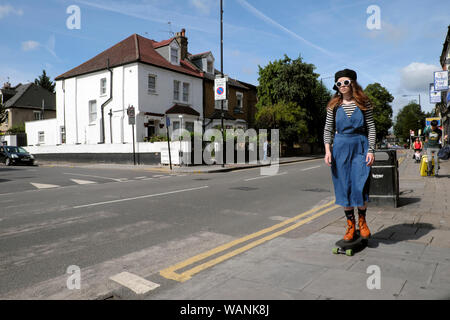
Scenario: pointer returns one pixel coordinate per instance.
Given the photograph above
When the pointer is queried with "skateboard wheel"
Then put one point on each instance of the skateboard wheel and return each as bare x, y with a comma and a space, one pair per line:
349, 252
335, 250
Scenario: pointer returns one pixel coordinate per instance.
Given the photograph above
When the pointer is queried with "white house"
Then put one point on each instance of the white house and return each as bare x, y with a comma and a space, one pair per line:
154, 77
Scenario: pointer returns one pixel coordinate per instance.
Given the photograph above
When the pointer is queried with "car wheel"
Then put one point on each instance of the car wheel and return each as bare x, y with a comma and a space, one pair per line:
8, 161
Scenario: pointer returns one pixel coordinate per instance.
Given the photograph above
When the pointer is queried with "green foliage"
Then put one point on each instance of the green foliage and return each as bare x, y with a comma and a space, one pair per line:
3, 113
18, 128
382, 110
288, 117
410, 117
155, 138
45, 82
291, 99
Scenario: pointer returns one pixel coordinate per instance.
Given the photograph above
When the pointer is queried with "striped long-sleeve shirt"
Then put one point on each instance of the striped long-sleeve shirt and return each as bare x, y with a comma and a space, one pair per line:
329, 130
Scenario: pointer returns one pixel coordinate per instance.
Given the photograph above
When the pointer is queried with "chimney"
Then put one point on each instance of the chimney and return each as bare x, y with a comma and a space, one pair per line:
183, 42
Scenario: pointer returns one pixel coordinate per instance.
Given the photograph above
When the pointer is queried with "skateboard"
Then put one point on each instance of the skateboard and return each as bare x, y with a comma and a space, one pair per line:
352, 247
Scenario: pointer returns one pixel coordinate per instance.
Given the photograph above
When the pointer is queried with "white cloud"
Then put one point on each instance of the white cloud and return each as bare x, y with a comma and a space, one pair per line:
7, 9
30, 45
417, 76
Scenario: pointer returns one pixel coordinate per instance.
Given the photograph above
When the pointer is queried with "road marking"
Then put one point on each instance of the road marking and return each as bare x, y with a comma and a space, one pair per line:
139, 197
262, 177
141, 177
158, 175
135, 283
310, 168
275, 164
87, 175
170, 273
44, 186
82, 181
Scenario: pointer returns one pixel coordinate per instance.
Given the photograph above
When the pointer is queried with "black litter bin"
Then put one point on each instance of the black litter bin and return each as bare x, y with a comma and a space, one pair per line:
384, 181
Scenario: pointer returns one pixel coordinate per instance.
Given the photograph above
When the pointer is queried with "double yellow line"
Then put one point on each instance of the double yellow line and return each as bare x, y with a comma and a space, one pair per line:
170, 272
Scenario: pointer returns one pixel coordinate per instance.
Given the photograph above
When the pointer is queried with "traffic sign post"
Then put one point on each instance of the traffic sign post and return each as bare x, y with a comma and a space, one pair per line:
220, 89
168, 140
132, 120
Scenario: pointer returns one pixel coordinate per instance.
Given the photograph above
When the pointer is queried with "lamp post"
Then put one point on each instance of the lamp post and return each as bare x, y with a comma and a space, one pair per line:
221, 71
181, 130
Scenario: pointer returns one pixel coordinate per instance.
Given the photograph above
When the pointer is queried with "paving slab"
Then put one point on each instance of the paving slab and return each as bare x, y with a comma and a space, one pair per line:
418, 291
348, 285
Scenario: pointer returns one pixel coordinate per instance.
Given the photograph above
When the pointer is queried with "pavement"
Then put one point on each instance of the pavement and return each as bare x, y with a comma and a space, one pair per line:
181, 169
408, 256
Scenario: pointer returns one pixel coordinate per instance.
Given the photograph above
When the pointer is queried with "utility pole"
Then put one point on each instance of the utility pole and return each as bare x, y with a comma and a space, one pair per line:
221, 71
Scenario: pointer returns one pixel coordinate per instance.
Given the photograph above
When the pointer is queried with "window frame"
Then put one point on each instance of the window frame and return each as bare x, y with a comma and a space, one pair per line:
41, 134
177, 91
92, 121
186, 93
171, 56
239, 97
103, 86
37, 115
150, 90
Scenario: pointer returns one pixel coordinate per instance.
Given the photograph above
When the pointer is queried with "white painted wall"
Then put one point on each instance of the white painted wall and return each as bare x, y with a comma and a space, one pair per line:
130, 87
163, 99
49, 127
72, 105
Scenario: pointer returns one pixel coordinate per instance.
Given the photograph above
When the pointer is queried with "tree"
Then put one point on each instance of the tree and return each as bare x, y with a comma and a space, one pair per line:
380, 98
3, 114
410, 117
288, 117
45, 82
290, 87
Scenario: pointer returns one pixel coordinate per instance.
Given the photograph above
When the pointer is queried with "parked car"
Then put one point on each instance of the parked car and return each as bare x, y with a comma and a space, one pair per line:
14, 155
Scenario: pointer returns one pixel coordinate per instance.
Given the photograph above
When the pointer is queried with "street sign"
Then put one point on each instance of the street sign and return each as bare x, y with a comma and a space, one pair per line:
167, 122
441, 80
220, 89
131, 115
435, 96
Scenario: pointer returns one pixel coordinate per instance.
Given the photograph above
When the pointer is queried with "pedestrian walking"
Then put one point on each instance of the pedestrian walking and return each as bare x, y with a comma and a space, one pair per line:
432, 136
350, 129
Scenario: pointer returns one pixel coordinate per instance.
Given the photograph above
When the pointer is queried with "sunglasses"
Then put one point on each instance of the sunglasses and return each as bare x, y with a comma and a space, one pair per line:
341, 83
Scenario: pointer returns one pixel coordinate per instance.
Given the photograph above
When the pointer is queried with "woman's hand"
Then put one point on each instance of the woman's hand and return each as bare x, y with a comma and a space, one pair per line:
327, 159
370, 158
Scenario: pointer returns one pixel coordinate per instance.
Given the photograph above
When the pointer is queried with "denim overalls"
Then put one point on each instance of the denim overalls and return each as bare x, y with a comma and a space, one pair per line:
349, 170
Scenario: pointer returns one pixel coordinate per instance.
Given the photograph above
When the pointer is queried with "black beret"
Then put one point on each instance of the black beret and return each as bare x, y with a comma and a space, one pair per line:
344, 73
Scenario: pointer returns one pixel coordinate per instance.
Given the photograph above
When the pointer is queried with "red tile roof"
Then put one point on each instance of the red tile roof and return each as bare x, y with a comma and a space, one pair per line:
135, 48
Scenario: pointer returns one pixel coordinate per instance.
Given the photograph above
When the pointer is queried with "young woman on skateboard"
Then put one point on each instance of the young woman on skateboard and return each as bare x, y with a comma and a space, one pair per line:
350, 124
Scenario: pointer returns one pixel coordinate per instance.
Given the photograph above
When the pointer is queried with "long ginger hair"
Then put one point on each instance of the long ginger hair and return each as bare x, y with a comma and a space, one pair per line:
361, 100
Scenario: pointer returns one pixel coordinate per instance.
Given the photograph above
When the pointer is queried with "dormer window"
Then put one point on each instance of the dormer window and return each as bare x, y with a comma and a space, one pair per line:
210, 67
174, 55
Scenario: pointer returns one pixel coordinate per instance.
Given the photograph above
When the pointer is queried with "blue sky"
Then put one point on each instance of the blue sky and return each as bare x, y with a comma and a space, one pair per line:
331, 34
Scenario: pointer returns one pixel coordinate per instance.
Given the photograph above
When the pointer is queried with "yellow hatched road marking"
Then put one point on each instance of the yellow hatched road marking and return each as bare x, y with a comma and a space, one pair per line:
170, 273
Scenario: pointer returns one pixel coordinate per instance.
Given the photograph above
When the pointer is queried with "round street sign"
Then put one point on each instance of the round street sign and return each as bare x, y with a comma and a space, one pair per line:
220, 90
